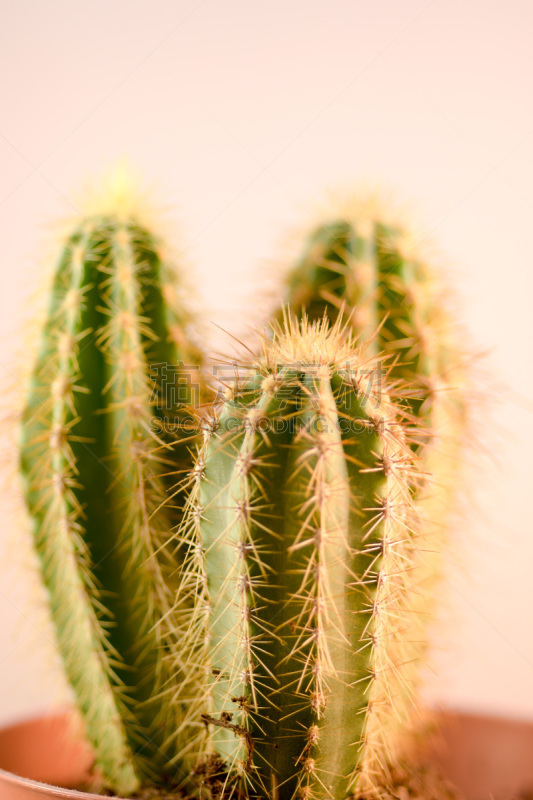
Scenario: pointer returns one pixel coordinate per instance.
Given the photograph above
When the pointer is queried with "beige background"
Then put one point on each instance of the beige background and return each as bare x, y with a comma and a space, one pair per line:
243, 112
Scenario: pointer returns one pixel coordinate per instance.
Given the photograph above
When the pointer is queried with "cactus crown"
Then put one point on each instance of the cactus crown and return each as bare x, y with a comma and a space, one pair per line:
303, 505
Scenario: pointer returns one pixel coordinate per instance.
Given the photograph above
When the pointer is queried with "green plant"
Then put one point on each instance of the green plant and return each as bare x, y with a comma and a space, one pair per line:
302, 502
372, 272
97, 466
255, 616
360, 265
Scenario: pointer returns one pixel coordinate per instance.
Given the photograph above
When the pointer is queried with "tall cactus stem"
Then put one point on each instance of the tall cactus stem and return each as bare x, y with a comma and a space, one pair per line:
304, 510
97, 464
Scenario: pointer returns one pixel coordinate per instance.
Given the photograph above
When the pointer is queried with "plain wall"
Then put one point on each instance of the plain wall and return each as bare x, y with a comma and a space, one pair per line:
242, 114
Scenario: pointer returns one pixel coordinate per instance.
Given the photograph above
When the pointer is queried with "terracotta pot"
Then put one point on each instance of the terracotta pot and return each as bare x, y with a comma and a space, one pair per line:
485, 757
39, 756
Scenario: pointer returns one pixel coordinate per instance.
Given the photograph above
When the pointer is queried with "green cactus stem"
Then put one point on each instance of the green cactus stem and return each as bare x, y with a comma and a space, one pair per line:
96, 462
302, 504
371, 271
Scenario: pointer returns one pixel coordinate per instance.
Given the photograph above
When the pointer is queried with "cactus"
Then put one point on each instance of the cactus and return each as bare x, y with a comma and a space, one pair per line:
301, 510
255, 616
96, 466
369, 270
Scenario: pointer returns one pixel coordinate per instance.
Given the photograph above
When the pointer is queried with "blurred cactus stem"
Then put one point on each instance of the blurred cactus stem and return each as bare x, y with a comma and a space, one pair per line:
373, 272
362, 264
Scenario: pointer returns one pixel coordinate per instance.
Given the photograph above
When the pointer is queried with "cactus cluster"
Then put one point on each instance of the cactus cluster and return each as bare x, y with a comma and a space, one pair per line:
238, 597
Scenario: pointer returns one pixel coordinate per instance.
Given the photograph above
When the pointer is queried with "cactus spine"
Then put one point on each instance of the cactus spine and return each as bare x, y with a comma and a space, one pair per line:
95, 472
302, 502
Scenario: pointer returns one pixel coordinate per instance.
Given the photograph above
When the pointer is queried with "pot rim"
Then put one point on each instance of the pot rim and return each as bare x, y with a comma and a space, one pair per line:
12, 773
48, 789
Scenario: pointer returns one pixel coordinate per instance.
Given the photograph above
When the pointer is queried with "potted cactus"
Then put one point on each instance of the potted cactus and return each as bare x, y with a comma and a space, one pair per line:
236, 589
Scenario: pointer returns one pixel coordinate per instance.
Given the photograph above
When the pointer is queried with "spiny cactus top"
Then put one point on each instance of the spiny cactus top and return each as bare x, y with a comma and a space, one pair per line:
95, 471
302, 505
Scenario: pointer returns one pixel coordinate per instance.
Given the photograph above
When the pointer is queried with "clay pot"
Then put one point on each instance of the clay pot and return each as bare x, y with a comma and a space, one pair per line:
484, 757
39, 756
487, 758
